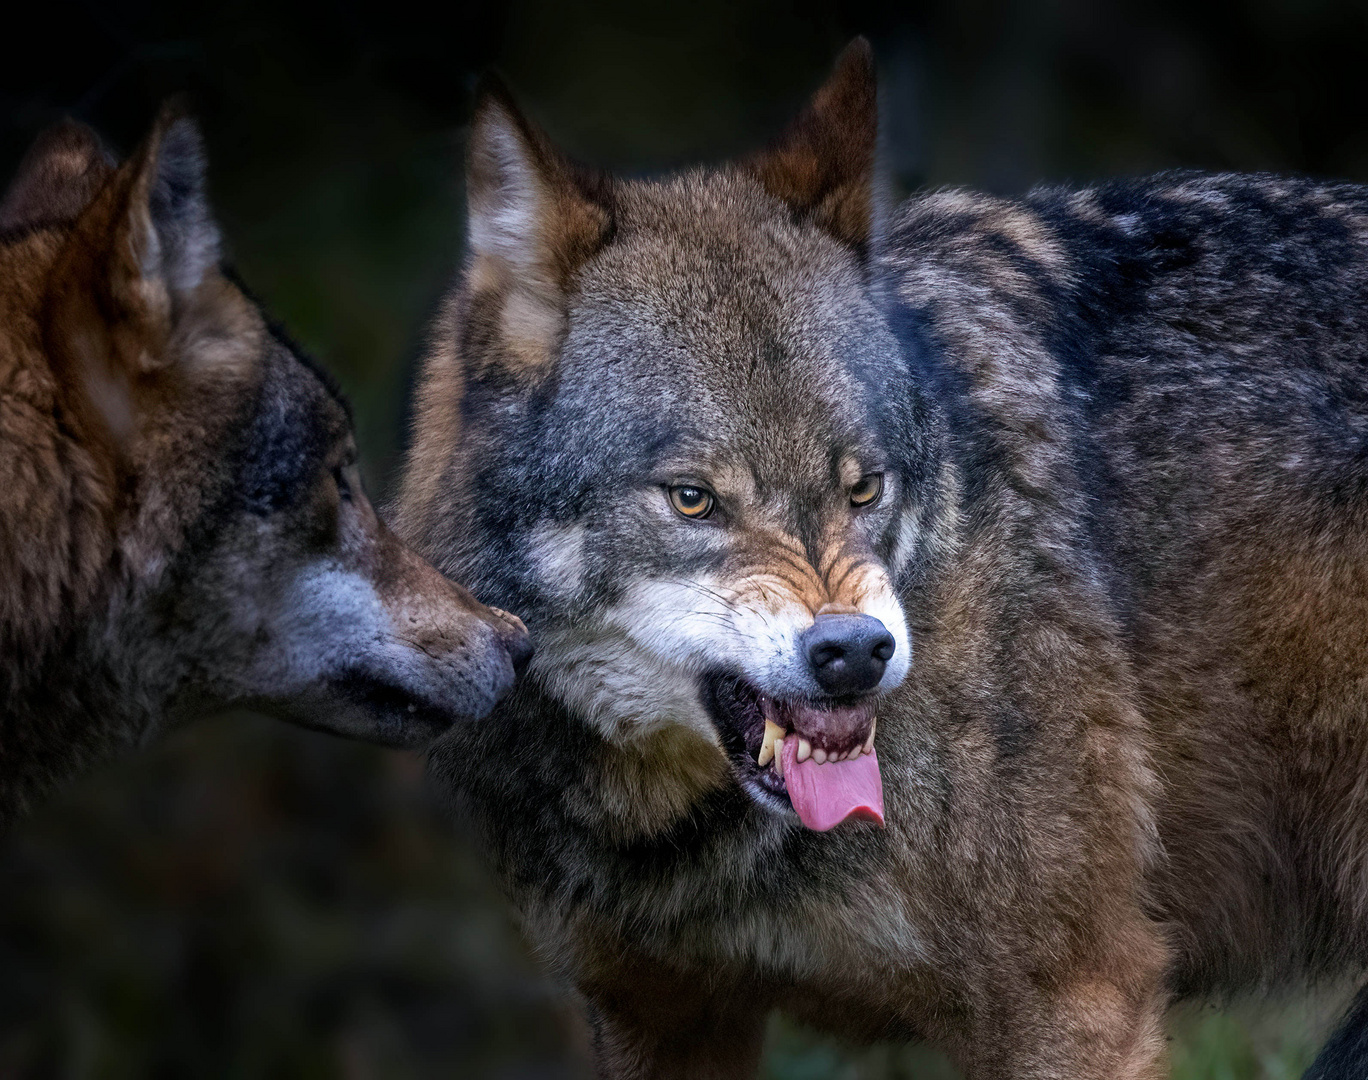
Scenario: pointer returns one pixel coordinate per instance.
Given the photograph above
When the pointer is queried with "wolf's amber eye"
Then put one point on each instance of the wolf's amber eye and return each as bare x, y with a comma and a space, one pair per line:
692, 502
868, 490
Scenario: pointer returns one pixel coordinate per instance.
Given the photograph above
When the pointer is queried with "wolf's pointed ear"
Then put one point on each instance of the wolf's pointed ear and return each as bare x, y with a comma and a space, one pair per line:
147, 240
58, 177
167, 223
534, 220
128, 280
823, 166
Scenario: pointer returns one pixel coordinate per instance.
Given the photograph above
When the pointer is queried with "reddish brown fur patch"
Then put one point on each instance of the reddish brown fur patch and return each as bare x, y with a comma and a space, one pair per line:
57, 178
59, 497
824, 165
100, 431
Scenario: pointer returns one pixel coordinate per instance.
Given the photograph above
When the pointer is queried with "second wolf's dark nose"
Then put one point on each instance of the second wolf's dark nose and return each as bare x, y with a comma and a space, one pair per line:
847, 653
519, 648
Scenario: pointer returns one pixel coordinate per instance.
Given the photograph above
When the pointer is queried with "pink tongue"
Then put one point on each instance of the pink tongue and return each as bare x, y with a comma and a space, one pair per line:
825, 795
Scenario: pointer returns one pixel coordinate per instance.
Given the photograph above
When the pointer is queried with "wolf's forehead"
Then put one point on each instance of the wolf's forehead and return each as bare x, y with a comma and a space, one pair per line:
744, 322
758, 437
715, 243
748, 376
714, 316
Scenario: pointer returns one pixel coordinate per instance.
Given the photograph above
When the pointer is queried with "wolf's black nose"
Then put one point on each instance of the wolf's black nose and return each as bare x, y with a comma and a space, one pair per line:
847, 653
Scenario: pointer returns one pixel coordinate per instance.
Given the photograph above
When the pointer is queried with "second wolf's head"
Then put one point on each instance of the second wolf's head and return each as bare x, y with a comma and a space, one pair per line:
181, 522
666, 422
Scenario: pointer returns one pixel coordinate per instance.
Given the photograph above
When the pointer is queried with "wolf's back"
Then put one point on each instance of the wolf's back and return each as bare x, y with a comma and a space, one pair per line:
1178, 368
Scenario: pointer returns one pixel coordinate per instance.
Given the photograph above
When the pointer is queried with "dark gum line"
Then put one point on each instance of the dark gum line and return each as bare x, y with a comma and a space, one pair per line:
818, 739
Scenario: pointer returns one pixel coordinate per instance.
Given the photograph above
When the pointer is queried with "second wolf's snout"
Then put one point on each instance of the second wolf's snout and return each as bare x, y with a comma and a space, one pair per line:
516, 640
471, 653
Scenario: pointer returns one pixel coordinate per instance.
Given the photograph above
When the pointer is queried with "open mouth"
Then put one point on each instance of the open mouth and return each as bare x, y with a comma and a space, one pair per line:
817, 756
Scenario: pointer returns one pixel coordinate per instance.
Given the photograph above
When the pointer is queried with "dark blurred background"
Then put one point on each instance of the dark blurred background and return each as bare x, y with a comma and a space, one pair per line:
248, 900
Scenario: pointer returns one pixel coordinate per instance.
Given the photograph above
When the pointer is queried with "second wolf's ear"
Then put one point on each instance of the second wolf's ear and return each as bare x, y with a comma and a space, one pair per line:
58, 177
128, 284
533, 222
823, 166
165, 224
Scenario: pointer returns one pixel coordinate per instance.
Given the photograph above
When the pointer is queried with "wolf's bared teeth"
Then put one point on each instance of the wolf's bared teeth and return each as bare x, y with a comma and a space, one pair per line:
819, 755
869, 740
779, 758
804, 749
773, 734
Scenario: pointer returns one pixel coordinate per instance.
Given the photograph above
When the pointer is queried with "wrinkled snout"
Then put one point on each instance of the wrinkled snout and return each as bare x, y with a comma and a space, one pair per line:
847, 654
467, 654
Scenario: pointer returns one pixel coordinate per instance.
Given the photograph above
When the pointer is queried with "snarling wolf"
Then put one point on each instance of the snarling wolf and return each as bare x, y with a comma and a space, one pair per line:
182, 527
1036, 527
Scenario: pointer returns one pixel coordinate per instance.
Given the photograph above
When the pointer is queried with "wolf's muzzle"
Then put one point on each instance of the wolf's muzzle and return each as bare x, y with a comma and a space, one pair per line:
847, 653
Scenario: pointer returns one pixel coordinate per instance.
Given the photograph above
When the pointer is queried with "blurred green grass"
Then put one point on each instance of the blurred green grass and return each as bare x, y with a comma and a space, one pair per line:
1264, 1041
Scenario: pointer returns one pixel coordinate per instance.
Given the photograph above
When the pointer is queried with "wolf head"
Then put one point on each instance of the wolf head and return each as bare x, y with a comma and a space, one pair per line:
182, 526
666, 421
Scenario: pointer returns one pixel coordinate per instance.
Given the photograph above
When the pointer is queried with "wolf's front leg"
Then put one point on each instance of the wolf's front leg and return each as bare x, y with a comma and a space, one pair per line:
652, 1024
1091, 1030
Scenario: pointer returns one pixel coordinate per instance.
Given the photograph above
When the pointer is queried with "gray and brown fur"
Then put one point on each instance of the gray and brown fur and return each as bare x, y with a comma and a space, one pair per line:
182, 527
1125, 431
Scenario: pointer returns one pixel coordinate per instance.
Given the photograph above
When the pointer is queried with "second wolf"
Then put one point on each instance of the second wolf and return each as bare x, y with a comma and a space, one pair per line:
182, 527
1069, 491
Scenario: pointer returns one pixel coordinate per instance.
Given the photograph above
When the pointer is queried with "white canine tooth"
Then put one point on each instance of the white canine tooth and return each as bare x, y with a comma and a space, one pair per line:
869, 742
819, 755
773, 733
804, 749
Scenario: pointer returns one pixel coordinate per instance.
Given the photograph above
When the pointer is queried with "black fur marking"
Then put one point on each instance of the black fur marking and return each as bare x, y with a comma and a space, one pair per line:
289, 439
